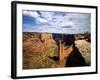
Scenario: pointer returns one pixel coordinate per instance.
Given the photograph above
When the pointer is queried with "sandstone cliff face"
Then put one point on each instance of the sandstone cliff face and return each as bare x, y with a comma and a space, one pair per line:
37, 47
85, 50
46, 36
47, 40
36, 42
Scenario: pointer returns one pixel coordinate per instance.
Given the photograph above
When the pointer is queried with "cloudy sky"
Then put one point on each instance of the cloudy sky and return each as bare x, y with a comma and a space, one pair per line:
56, 22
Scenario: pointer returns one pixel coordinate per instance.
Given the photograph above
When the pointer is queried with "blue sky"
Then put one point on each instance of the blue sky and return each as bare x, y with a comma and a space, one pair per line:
56, 22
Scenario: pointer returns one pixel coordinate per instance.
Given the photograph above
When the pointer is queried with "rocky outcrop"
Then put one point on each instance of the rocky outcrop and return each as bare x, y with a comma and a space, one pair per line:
46, 36
37, 48
37, 42
85, 49
47, 40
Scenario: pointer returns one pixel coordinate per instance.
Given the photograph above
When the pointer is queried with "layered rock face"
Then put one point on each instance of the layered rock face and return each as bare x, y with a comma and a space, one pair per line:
85, 49
37, 42
37, 47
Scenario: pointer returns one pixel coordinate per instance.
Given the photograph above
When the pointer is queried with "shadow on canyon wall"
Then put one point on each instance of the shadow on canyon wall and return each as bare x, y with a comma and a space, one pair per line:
75, 59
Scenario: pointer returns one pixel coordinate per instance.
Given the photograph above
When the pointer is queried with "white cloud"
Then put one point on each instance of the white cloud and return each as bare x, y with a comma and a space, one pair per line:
41, 20
68, 23
47, 15
31, 13
35, 15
